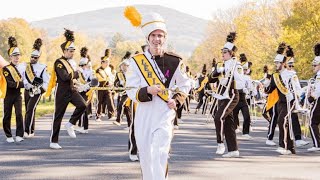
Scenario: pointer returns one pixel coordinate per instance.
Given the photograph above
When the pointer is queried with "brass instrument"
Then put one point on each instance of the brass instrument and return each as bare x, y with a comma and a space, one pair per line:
35, 90
229, 77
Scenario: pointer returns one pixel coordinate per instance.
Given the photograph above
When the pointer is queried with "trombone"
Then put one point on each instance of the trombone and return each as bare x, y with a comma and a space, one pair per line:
225, 94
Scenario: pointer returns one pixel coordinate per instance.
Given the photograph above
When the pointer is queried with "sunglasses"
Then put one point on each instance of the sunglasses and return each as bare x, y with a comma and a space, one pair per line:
34, 57
224, 52
290, 66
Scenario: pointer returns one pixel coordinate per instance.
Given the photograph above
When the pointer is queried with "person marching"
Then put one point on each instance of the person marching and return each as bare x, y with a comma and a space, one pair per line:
152, 74
85, 77
63, 77
104, 96
270, 113
120, 81
279, 94
11, 92
200, 86
35, 79
295, 120
314, 98
226, 74
243, 89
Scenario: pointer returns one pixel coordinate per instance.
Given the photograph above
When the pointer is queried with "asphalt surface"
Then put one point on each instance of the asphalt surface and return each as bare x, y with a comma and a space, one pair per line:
102, 154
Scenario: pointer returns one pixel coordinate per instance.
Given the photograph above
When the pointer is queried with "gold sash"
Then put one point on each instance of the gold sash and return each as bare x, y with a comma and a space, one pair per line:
279, 84
150, 76
102, 75
272, 99
29, 73
14, 74
53, 79
203, 83
81, 78
3, 85
121, 78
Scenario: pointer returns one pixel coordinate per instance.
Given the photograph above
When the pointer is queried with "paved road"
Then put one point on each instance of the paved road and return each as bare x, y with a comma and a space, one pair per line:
102, 154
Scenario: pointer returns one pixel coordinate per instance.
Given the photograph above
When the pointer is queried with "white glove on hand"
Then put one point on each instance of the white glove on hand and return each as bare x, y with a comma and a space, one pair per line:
223, 81
246, 91
220, 69
266, 82
289, 97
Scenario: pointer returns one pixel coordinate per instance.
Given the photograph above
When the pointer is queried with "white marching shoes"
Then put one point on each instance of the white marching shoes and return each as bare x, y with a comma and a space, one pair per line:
220, 149
70, 130
313, 149
55, 146
81, 130
283, 151
232, 154
246, 136
133, 157
19, 139
10, 140
300, 143
116, 123
270, 143
237, 130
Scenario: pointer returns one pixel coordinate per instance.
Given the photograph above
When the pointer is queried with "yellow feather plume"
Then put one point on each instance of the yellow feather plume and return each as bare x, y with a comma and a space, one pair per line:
132, 14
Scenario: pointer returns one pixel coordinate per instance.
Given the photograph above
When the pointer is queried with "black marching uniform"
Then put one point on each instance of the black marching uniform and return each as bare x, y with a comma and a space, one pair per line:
13, 98
282, 110
223, 115
65, 93
122, 106
104, 96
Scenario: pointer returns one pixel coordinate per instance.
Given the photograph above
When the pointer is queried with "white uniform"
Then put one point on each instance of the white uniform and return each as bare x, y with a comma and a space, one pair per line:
153, 121
38, 69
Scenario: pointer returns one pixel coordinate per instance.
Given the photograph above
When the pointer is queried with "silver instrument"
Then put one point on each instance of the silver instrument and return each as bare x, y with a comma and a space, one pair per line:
35, 90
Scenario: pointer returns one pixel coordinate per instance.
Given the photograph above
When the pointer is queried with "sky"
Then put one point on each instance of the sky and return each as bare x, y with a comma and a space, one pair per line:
33, 10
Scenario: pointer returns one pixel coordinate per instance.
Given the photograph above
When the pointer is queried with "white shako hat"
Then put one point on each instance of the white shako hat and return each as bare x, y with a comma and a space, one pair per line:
13, 50
280, 57
148, 22
36, 52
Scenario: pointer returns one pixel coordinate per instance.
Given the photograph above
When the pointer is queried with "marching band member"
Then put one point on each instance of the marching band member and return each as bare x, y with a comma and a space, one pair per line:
243, 88
201, 83
279, 94
105, 99
120, 81
85, 77
11, 93
313, 98
151, 74
66, 92
295, 120
270, 113
36, 79
223, 117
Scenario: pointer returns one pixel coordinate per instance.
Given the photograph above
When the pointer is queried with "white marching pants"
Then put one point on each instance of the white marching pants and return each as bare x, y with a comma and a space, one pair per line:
153, 154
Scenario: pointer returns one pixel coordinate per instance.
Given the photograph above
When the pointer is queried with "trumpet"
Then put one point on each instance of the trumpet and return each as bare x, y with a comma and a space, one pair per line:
35, 90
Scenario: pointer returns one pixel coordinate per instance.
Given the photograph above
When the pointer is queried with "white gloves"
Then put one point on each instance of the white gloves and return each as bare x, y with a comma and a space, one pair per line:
266, 82
223, 81
220, 69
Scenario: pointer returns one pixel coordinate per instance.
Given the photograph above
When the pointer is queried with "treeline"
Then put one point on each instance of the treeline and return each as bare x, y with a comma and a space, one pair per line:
261, 25
26, 35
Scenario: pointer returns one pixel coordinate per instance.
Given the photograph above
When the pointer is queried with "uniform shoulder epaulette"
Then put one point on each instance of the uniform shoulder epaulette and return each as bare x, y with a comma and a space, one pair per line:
173, 54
